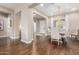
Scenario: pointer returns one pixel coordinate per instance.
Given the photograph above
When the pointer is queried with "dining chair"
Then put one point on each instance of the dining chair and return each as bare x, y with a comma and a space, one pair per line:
55, 36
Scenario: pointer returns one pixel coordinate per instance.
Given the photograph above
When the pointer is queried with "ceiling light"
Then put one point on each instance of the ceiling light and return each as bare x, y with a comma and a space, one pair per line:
42, 5
73, 9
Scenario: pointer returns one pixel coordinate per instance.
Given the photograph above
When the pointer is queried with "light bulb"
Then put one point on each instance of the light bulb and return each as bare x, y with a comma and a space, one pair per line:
42, 5
73, 9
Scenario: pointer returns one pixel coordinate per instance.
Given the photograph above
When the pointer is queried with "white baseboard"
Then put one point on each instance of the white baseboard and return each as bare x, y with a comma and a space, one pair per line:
26, 41
3, 36
15, 37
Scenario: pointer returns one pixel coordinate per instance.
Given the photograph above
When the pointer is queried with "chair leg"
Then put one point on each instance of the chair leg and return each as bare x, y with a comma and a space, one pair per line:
58, 43
51, 41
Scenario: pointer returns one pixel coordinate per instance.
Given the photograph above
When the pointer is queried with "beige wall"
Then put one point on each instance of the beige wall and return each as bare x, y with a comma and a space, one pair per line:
5, 10
3, 33
73, 22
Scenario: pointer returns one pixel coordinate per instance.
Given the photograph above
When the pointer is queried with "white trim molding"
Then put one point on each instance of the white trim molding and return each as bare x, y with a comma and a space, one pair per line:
15, 37
27, 42
3, 36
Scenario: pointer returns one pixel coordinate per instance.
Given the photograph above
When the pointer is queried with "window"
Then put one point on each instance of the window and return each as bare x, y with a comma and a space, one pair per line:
59, 24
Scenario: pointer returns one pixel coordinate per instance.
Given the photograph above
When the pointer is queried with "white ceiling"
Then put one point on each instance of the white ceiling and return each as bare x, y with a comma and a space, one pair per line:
15, 5
36, 16
48, 9
57, 8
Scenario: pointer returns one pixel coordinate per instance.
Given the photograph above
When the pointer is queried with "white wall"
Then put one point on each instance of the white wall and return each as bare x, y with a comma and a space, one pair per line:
47, 21
37, 26
3, 33
42, 26
11, 29
6, 30
15, 18
16, 26
73, 22
24, 22
66, 23
26, 25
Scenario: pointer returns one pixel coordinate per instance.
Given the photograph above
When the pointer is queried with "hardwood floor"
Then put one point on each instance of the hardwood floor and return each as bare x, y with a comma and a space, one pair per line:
37, 47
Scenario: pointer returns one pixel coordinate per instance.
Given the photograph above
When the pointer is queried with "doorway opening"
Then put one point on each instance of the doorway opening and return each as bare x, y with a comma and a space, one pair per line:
4, 31
18, 24
39, 26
